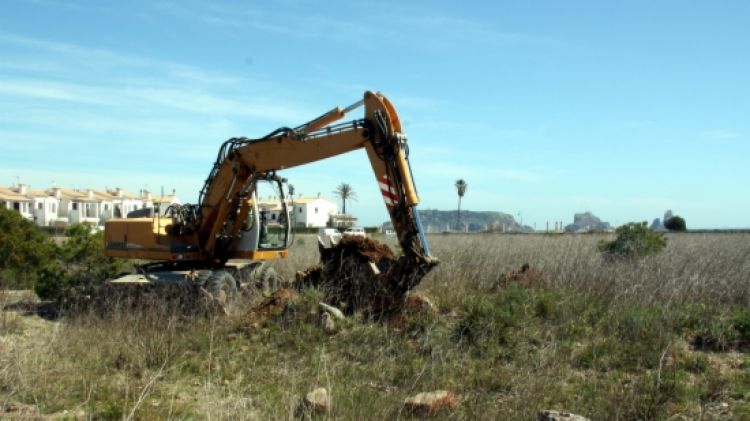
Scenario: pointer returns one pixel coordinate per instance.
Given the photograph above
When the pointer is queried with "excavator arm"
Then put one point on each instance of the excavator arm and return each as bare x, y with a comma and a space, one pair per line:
242, 160
220, 226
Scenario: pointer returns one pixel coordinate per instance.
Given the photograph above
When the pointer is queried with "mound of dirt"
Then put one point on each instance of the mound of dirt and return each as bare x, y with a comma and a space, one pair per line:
362, 274
276, 302
526, 276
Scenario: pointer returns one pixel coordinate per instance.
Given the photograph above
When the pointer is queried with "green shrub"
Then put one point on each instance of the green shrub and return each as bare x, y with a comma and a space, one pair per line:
80, 261
675, 223
634, 241
731, 331
26, 253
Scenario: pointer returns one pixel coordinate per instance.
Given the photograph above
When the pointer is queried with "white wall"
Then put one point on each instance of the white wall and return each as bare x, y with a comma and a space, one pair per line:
24, 208
314, 213
45, 210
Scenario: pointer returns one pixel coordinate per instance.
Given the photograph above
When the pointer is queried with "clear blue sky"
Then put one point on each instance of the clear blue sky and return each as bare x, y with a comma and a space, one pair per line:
545, 108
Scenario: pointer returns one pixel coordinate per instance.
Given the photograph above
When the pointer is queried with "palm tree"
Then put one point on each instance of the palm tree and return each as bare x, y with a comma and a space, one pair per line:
461, 190
345, 192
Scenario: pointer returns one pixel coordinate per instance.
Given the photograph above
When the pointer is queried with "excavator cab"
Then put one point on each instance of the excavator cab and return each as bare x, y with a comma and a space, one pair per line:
266, 230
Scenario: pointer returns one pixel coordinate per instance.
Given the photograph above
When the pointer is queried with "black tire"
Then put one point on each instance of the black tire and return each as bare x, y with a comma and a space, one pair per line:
247, 275
262, 278
269, 281
222, 286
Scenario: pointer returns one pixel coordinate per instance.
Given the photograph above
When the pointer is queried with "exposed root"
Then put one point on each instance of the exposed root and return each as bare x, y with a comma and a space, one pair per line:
362, 274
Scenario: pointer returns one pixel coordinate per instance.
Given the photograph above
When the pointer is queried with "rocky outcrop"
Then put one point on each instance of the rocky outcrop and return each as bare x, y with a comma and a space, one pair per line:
657, 226
587, 222
435, 220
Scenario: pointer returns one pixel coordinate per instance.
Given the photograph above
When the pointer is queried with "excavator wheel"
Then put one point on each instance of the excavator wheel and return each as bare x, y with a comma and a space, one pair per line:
269, 281
262, 278
222, 286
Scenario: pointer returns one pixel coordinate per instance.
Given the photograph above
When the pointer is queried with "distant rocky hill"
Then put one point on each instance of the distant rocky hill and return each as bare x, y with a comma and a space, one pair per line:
585, 222
658, 224
435, 220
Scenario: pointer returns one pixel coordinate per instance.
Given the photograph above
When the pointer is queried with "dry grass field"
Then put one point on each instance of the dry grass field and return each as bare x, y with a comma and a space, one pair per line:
663, 338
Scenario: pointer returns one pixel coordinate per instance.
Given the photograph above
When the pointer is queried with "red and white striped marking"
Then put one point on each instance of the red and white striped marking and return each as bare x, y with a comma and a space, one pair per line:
390, 195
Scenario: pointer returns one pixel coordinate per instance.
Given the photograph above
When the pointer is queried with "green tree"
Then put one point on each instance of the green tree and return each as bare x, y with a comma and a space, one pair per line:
26, 253
634, 241
461, 190
345, 192
675, 223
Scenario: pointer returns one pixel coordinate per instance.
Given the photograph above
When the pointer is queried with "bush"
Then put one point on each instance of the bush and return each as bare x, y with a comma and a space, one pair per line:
634, 241
26, 253
80, 261
675, 223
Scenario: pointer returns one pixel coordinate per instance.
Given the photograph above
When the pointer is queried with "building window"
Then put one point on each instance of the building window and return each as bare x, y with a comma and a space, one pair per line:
106, 207
17, 206
299, 209
316, 211
40, 206
75, 206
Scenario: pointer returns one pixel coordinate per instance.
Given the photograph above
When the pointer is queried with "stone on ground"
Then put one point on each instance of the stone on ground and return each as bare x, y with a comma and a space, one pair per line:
417, 303
327, 323
333, 311
430, 403
314, 402
548, 415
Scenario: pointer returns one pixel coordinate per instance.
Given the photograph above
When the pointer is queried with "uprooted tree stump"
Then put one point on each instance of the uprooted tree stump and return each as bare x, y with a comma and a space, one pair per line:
362, 274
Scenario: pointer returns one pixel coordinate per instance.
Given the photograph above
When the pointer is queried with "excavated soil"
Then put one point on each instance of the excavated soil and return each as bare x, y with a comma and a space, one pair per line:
276, 302
362, 274
526, 276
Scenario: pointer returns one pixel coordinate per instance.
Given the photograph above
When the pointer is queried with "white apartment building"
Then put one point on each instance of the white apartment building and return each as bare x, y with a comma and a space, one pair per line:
76, 206
9, 199
312, 211
59, 206
305, 211
44, 207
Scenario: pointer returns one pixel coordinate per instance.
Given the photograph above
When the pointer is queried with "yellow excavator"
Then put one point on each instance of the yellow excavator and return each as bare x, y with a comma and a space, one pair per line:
222, 241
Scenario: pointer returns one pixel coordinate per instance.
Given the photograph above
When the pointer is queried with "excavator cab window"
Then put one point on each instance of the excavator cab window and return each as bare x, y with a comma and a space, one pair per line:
273, 218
